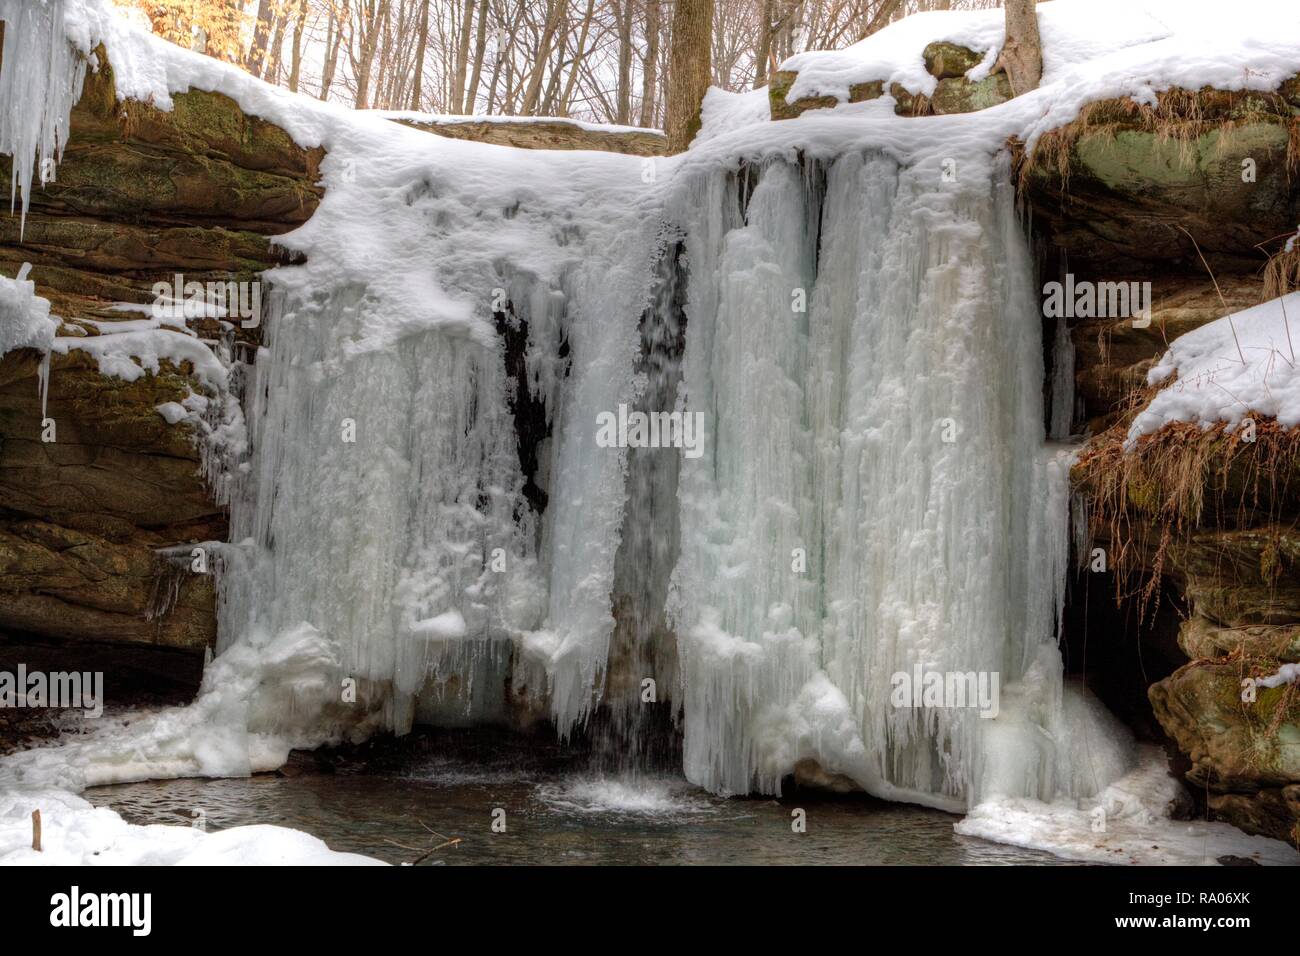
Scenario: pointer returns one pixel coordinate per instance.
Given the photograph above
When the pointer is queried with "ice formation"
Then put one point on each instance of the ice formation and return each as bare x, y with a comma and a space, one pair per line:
40, 82
25, 320
879, 492
424, 527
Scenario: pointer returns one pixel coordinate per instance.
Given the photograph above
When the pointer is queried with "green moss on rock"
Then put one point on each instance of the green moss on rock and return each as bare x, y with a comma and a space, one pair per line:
944, 60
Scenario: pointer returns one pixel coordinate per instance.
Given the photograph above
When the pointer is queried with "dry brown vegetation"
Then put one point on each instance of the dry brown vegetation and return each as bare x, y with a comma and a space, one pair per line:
1179, 116
1180, 479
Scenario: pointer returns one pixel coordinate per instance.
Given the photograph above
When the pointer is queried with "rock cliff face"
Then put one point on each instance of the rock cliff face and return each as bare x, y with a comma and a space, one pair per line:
1198, 530
141, 196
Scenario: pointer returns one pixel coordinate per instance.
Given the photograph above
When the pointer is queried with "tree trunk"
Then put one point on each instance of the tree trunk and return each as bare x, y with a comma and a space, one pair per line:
533, 94
689, 69
480, 49
333, 41
419, 56
767, 17
623, 19
1022, 53
649, 74
884, 15
272, 74
379, 84
299, 27
549, 106
567, 98
366, 61
261, 34
462, 56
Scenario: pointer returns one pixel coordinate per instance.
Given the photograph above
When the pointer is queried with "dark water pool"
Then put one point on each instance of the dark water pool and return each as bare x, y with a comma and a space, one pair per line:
399, 809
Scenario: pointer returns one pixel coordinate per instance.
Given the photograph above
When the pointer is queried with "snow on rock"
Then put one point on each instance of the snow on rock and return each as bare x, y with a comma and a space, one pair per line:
75, 833
448, 119
1237, 367
172, 412
25, 320
1092, 50
1286, 674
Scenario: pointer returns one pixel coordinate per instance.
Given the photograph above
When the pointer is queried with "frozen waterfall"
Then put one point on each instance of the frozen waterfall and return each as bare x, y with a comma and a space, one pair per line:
427, 528
876, 494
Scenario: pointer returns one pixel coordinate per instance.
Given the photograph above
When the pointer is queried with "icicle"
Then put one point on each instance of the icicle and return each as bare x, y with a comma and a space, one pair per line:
40, 82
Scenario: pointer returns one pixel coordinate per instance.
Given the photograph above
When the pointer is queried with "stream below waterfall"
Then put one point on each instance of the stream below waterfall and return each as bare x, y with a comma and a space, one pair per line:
557, 811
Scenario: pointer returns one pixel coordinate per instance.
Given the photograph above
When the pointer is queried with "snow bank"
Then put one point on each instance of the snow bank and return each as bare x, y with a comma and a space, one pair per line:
1127, 822
75, 833
257, 702
1242, 365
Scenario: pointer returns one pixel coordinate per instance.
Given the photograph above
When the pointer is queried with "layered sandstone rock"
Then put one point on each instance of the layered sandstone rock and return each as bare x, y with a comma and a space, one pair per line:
1191, 196
141, 195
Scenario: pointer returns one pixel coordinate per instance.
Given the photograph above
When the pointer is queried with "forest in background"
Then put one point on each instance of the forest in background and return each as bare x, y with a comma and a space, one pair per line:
604, 61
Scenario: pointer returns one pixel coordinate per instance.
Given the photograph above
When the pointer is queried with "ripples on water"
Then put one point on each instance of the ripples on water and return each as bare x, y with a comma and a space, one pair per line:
555, 814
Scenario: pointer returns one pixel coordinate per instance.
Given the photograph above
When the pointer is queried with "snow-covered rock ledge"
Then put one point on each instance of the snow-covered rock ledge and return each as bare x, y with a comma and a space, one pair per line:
941, 62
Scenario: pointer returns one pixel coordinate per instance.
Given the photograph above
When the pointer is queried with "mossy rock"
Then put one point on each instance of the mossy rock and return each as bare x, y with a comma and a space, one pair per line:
546, 135
1241, 578
1234, 745
1137, 159
1110, 187
862, 92
783, 80
779, 87
119, 249
199, 122
946, 61
1201, 638
960, 95
1272, 811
